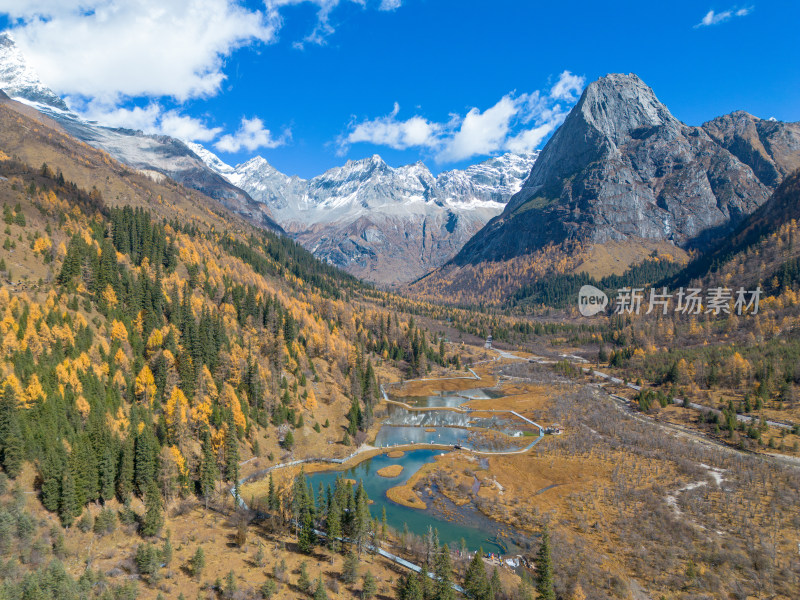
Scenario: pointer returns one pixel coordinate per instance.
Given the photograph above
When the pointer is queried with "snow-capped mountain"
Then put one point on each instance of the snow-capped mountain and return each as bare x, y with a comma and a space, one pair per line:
378, 222
157, 155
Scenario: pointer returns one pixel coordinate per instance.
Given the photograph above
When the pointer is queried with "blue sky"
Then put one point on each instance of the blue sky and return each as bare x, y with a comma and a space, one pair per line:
309, 84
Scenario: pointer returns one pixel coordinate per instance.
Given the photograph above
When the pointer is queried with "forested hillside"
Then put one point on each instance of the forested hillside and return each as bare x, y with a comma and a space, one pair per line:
148, 350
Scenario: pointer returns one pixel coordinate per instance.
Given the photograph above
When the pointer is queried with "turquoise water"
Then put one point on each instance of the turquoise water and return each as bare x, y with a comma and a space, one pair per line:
418, 521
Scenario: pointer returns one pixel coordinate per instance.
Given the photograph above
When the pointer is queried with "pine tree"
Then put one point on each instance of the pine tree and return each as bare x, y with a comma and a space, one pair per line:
52, 468
208, 470
11, 442
272, 496
370, 586
361, 519
125, 472
495, 585
303, 581
443, 569
153, 515
307, 538
107, 475
145, 457
350, 568
319, 592
198, 562
68, 508
231, 451
166, 549
412, 588
476, 586
544, 569
333, 525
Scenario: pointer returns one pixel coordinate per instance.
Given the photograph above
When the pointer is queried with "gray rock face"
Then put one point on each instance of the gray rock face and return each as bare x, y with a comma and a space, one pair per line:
621, 166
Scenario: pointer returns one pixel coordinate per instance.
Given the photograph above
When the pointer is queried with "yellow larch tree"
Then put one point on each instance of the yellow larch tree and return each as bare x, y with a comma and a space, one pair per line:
231, 400
118, 331
176, 413
110, 297
145, 386
311, 400
34, 392
82, 405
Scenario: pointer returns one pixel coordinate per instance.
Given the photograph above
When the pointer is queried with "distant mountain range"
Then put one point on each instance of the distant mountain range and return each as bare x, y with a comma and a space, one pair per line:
384, 224
622, 169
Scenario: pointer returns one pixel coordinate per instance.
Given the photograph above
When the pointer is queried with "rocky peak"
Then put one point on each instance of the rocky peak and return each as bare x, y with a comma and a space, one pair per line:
771, 148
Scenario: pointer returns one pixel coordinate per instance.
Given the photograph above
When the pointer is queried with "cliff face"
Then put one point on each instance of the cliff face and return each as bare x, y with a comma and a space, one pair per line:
622, 166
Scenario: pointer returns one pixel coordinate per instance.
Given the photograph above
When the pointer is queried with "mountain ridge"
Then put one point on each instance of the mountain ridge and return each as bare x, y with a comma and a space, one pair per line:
387, 224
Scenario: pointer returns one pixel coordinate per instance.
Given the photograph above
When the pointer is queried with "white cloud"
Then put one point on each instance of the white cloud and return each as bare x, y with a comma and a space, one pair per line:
481, 132
568, 87
187, 128
715, 18
114, 48
390, 4
516, 123
251, 135
150, 119
323, 27
388, 131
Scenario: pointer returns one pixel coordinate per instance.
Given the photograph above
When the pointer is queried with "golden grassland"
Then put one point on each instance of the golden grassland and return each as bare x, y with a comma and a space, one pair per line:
390, 472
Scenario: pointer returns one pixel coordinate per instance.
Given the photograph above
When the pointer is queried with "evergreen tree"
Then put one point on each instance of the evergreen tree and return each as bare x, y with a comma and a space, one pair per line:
443, 569
544, 569
333, 525
231, 451
166, 549
145, 460
362, 520
307, 538
125, 472
107, 475
303, 581
476, 585
495, 585
350, 568
208, 470
68, 508
411, 588
51, 472
198, 562
369, 587
272, 497
11, 442
319, 592
153, 515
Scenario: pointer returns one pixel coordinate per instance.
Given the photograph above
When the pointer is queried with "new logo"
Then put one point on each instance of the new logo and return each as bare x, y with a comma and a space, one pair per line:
591, 300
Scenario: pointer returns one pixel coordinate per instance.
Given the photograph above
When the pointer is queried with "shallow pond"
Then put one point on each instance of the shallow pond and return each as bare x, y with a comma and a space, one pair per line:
476, 529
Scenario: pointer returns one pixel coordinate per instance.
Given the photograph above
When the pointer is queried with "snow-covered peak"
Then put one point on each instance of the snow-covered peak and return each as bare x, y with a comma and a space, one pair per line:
211, 159
19, 80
